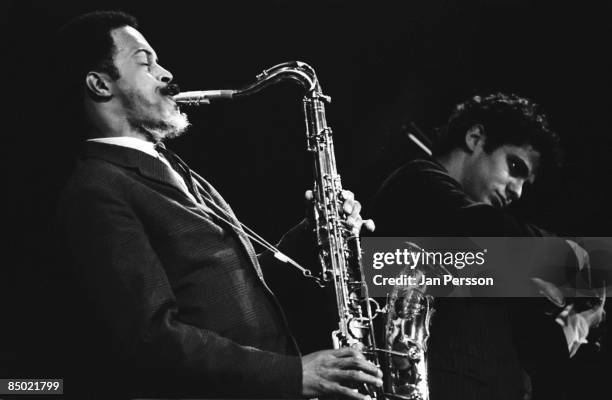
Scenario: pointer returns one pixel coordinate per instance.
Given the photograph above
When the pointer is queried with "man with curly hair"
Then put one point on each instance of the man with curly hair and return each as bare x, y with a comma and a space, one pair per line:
491, 148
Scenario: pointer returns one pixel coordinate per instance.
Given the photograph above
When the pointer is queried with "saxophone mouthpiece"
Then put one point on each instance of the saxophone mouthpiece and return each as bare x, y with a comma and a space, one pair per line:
170, 90
203, 96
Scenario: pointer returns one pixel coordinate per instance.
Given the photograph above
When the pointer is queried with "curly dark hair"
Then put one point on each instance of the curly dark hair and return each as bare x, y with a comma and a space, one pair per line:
505, 119
85, 44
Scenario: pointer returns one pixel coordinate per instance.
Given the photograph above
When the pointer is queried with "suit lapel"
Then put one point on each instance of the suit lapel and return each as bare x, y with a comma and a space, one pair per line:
154, 169
148, 166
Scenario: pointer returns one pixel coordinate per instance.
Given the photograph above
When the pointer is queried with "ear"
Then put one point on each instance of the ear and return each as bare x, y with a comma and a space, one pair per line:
474, 137
98, 85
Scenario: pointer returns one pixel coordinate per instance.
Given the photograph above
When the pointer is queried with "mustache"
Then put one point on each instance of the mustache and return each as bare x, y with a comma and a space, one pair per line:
172, 89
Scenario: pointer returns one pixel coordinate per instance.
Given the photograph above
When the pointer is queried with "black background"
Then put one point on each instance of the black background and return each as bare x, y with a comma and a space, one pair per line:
383, 64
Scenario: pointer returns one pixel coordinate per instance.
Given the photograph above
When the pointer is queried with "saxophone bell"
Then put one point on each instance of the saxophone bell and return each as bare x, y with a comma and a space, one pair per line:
407, 322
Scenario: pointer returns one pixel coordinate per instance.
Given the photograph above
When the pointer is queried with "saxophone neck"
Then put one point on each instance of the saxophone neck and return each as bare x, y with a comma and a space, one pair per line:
297, 71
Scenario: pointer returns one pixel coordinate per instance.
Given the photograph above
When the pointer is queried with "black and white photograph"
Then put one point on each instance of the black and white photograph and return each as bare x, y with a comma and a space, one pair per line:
196, 192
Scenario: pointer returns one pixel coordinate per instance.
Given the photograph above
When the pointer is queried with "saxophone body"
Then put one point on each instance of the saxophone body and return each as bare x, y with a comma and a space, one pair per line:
339, 251
407, 322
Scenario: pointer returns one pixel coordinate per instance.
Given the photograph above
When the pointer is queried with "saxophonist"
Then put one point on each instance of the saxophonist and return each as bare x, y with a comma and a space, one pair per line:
173, 295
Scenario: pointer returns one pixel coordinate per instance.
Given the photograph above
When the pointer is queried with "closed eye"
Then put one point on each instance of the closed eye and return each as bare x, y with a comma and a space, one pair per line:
145, 57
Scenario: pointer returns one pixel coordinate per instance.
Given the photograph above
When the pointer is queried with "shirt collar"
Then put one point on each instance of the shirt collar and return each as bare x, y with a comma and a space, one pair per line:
131, 142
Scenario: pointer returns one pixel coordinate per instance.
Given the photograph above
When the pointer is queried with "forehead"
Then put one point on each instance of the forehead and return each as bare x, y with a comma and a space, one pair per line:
128, 40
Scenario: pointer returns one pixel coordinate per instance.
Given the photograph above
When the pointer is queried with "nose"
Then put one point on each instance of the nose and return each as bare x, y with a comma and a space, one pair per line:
514, 189
164, 75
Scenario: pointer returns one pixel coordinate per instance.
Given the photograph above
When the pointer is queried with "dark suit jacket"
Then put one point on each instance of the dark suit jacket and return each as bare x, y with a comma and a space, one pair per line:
478, 347
175, 295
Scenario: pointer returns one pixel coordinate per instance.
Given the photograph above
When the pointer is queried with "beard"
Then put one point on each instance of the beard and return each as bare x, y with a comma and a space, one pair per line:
157, 121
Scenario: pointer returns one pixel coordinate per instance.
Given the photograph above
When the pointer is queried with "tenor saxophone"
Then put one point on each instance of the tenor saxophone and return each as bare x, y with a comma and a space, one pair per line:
339, 251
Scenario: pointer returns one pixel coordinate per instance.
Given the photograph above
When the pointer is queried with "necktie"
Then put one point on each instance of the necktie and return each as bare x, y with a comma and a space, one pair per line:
180, 167
219, 209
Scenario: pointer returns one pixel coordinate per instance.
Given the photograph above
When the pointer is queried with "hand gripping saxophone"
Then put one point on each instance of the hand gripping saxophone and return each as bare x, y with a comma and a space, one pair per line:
339, 250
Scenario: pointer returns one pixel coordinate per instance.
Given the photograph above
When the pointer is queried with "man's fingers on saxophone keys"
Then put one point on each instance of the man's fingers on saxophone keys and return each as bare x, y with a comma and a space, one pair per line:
337, 388
325, 371
369, 225
353, 224
356, 376
347, 195
359, 365
363, 365
355, 358
351, 207
348, 352
351, 210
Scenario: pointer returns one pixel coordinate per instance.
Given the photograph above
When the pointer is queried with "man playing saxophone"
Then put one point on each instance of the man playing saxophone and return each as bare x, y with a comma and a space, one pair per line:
170, 280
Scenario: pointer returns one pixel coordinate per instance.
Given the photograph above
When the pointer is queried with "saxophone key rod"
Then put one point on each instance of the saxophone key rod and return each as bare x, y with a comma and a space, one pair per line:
392, 352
